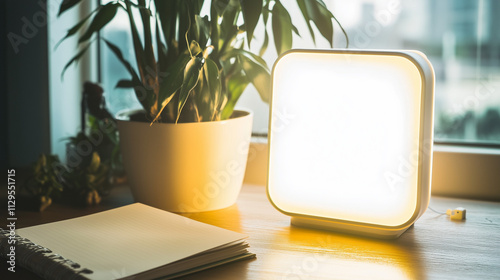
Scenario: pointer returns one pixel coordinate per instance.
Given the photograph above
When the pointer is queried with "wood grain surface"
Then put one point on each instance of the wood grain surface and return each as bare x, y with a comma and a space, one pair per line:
434, 248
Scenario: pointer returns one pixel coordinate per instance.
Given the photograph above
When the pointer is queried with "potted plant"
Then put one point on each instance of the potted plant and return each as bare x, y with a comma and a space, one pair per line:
43, 184
190, 71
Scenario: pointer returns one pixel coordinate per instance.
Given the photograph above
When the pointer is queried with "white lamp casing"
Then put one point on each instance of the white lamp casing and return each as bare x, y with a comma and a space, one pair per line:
350, 139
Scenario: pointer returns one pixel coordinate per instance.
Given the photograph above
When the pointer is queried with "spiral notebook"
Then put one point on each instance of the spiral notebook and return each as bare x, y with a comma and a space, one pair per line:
131, 242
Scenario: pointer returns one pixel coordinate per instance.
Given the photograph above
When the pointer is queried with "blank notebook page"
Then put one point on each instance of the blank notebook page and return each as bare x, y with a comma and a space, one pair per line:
128, 240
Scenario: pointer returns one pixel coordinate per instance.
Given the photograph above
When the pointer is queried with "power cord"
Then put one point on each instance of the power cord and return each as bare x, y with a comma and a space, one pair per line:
455, 214
440, 213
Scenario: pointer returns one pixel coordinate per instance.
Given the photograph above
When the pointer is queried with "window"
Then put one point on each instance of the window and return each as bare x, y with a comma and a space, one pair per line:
110, 68
460, 37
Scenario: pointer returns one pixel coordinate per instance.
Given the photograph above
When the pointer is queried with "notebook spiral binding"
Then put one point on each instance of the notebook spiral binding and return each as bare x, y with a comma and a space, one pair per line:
40, 260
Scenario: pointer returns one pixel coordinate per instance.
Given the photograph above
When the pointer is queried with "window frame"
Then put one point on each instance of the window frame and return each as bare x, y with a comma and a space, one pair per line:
462, 171
478, 181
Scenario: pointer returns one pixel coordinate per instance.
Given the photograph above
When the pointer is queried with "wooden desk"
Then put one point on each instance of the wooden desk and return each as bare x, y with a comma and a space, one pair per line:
435, 248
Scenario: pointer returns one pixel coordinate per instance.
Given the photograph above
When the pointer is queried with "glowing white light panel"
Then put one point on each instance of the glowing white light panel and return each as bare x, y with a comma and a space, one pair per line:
345, 136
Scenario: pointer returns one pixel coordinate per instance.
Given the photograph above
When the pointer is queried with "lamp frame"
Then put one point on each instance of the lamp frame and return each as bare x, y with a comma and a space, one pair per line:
424, 166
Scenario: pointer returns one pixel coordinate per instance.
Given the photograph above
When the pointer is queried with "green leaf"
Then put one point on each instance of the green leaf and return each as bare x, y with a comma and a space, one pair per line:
125, 84
146, 97
220, 6
191, 77
203, 28
72, 31
305, 14
139, 51
168, 18
265, 17
66, 5
75, 58
148, 40
321, 17
214, 26
282, 28
236, 84
141, 6
249, 55
184, 24
264, 44
171, 83
95, 162
119, 55
343, 31
228, 27
212, 75
251, 12
103, 17
295, 30
316, 11
194, 48
161, 50
257, 75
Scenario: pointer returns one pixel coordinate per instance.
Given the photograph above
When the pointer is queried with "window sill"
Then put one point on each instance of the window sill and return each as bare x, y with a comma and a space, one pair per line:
465, 172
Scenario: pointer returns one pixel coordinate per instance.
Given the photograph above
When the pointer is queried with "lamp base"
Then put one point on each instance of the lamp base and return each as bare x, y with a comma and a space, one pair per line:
381, 233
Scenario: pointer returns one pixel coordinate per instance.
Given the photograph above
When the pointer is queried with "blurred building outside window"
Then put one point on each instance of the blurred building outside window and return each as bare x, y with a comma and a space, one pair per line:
460, 37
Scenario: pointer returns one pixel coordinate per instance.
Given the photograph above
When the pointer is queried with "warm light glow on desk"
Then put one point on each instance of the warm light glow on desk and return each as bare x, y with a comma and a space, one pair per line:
350, 138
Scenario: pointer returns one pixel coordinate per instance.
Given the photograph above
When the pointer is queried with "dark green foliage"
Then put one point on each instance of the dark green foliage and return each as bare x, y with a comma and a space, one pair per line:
192, 68
47, 177
93, 158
